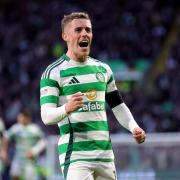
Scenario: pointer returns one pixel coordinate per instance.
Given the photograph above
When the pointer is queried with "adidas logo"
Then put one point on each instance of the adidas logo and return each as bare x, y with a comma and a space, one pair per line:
73, 80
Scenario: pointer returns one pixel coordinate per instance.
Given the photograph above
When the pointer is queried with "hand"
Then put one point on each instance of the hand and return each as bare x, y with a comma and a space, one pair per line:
30, 155
74, 103
139, 135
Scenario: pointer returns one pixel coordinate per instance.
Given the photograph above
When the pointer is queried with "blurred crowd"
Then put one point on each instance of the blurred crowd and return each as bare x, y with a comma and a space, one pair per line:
30, 39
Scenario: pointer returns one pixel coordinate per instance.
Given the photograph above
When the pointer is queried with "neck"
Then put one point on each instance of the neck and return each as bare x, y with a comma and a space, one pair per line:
76, 57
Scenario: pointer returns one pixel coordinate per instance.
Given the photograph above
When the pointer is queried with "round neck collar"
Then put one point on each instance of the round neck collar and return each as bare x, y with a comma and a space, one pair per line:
78, 63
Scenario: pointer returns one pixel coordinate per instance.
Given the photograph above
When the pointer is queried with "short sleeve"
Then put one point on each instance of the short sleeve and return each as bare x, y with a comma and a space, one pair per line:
111, 85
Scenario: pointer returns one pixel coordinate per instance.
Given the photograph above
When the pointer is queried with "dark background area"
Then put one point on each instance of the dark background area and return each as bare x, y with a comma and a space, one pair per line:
130, 33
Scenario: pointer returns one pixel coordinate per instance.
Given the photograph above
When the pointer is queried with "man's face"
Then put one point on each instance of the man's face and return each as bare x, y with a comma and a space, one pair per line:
78, 35
22, 119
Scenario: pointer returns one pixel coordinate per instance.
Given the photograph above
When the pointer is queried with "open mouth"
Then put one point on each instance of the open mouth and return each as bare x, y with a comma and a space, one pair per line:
84, 43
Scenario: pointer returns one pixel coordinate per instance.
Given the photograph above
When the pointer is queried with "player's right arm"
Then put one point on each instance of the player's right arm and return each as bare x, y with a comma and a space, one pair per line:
51, 112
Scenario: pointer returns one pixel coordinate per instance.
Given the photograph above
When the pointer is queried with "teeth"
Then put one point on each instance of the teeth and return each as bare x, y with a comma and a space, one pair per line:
84, 41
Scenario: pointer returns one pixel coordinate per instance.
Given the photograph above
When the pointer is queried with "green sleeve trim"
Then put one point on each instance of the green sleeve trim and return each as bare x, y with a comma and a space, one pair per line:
49, 99
48, 82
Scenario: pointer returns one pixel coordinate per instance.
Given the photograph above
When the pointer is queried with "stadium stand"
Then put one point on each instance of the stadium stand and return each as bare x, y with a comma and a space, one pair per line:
130, 32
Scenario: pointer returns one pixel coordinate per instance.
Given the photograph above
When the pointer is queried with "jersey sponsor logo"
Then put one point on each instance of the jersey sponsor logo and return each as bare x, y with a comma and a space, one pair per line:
100, 77
74, 80
92, 106
91, 94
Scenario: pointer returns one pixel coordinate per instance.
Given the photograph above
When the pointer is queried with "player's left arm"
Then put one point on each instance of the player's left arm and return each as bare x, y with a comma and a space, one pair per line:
37, 149
39, 146
121, 111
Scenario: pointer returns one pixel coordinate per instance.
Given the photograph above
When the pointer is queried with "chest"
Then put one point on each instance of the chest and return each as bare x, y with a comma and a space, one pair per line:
83, 79
26, 133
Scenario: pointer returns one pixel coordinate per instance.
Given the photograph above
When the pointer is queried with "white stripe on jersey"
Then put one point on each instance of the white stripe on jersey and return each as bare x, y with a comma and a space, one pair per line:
47, 91
83, 79
111, 87
88, 155
100, 97
82, 136
88, 116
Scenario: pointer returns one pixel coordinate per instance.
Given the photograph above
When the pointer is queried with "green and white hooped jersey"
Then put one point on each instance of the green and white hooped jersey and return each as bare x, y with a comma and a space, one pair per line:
25, 138
84, 134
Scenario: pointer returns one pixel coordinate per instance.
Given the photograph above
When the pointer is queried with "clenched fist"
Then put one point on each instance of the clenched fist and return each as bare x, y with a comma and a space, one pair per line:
139, 135
74, 103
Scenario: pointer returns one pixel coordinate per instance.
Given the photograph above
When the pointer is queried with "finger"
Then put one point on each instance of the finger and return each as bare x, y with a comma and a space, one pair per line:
141, 139
141, 135
77, 94
79, 103
78, 98
138, 137
139, 132
136, 134
80, 106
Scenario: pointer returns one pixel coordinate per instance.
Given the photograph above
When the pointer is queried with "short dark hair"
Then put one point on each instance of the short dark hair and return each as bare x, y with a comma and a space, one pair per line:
25, 113
75, 15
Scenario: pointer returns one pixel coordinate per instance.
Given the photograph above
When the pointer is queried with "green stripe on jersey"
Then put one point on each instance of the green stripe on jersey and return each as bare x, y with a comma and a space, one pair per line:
69, 151
86, 146
88, 159
49, 99
85, 126
48, 82
71, 89
82, 70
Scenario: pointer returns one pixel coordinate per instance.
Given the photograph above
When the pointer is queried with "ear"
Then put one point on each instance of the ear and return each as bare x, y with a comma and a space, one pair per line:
65, 37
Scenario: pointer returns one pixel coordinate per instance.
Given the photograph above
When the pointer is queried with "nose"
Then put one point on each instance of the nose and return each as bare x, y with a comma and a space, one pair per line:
83, 32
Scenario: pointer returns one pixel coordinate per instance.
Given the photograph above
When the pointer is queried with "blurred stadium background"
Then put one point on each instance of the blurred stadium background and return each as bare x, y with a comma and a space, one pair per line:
140, 40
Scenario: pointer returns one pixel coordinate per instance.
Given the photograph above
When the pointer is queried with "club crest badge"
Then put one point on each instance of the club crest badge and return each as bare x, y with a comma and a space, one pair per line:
100, 77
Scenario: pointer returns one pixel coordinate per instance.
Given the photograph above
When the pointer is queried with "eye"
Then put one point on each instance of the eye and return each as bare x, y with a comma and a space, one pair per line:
78, 29
88, 30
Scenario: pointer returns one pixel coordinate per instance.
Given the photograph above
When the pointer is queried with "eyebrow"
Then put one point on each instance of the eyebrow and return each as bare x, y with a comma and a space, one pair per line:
86, 27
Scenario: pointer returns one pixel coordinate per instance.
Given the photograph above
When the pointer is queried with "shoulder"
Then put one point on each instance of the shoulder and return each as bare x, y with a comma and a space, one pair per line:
35, 128
13, 130
54, 67
100, 63
15, 126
